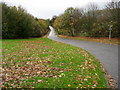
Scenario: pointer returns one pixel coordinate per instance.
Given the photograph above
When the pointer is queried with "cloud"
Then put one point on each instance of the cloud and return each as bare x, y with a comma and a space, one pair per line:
48, 8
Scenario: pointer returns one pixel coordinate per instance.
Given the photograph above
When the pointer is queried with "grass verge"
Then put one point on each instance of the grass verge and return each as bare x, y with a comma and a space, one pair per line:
43, 63
114, 41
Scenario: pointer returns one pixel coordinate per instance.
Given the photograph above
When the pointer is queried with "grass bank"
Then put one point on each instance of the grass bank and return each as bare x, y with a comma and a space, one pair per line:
114, 41
43, 63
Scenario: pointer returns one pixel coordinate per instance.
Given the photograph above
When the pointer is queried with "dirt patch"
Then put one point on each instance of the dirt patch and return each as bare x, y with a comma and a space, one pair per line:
114, 41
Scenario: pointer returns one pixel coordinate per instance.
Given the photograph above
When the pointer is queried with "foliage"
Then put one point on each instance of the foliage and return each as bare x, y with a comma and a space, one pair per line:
17, 23
90, 22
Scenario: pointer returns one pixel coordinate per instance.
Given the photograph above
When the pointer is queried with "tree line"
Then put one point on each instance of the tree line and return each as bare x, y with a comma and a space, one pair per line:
89, 22
17, 23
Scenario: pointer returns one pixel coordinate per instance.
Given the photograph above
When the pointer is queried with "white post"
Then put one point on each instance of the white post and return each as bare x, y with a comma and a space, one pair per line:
110, 34
110, 29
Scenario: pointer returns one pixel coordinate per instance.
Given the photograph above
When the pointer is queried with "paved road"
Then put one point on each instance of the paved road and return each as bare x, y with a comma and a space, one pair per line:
106, 53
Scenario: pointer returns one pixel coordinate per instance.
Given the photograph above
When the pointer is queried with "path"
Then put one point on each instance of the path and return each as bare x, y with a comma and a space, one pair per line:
106, 53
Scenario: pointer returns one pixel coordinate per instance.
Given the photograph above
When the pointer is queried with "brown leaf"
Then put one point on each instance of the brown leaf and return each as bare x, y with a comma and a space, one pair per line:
40, 80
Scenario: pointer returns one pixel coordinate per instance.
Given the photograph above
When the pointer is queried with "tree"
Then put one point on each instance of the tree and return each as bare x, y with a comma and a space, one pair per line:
17, 23
0, 20
68, 23
114, 10
52, 20
90, 22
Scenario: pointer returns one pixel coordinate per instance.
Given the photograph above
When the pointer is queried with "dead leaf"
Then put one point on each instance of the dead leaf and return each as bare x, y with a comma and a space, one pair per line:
69, 85
39, 80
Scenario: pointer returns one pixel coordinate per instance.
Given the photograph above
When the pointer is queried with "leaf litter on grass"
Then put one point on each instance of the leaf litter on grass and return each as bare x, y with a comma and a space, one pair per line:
49, 64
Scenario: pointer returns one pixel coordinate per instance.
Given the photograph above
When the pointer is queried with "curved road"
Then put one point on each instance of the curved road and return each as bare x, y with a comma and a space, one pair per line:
106, 53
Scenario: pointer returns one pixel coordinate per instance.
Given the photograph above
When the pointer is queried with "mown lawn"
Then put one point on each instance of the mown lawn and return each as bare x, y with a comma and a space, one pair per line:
43, 63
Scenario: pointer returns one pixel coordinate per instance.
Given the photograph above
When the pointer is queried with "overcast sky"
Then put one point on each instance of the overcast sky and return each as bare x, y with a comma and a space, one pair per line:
48, 8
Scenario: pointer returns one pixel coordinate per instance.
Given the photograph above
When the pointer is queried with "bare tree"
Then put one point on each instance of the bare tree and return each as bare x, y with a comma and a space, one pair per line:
91, 16
113, 8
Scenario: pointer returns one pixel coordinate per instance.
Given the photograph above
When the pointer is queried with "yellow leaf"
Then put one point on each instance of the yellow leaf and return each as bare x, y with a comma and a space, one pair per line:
69, 85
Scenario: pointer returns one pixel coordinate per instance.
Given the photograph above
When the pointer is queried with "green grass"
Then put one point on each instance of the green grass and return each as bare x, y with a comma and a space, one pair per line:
43, 63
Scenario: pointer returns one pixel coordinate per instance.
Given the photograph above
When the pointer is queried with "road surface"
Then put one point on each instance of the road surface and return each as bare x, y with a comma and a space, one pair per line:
106, 53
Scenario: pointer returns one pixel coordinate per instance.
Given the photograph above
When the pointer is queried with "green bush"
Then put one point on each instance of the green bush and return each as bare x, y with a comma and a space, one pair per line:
17, 23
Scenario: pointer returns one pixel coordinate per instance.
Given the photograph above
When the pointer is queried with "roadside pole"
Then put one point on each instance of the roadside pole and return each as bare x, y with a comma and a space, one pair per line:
109, 34
110, 29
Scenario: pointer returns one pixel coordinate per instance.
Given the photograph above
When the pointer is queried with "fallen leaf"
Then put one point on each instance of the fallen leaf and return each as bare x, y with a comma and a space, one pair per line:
39, 80
69, 85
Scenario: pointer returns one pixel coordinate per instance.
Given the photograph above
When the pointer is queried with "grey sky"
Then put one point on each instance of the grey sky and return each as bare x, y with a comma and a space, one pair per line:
48, 8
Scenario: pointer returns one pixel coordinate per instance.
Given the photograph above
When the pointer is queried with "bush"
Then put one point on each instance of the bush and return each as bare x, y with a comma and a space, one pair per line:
17, 23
